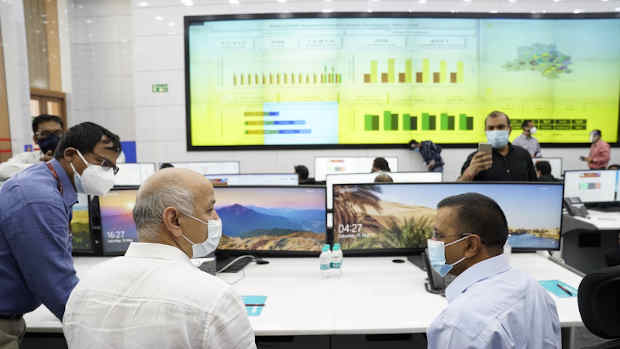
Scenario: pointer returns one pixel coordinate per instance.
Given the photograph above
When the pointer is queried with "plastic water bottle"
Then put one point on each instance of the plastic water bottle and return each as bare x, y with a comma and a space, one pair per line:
324, 261
507, 248
336, 262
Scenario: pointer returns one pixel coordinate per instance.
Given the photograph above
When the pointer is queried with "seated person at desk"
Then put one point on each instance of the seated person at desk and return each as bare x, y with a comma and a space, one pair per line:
154, 297
490, 304
380, 165
47, 130
302, 174
543, 171
506, 162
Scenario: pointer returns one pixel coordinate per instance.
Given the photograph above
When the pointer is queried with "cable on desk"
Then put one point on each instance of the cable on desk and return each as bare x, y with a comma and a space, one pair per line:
239, 279
235, 261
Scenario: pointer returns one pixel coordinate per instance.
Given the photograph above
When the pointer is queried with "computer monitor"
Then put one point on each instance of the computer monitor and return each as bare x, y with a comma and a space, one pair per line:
82, 237
133, 174
289, 179
555, 163
591, 186
397, 218
267, 221
397, 177
118, 228
210, 167
340, 165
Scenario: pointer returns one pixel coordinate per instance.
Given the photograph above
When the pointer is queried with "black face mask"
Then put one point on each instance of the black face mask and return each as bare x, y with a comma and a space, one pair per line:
49, 143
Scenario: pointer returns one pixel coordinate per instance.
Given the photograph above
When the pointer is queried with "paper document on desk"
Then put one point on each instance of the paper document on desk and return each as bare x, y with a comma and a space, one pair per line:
559, 288
254, 304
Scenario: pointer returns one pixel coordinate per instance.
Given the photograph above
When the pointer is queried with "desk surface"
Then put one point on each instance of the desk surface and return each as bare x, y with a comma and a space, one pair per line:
374, 295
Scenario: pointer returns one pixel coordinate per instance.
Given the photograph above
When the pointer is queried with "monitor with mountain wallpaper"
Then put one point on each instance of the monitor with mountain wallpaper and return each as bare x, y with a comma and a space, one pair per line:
276, 220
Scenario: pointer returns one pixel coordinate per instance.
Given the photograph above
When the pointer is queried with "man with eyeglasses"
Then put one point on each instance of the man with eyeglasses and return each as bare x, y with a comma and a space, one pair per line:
36, 266
490, 304
47, 130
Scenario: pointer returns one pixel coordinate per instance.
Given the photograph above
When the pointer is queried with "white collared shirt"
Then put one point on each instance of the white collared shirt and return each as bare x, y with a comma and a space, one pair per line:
154, 297
492, 305
18, 163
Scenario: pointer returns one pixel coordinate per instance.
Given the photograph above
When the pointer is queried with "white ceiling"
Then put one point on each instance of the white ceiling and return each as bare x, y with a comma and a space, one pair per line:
529, 6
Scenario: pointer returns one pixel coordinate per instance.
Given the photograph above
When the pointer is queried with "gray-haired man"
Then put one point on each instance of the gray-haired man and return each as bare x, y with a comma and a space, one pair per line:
154, 297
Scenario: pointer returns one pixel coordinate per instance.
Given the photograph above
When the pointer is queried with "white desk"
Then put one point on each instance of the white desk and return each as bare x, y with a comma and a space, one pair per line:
374, 295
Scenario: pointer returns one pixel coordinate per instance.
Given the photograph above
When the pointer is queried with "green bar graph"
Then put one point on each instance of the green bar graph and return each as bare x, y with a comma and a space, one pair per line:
406, 122
466, 123
371, 122
444, 121
387, 120
394, 122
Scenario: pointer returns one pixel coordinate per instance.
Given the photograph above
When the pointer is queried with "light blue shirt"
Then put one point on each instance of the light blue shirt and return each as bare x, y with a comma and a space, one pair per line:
492, 305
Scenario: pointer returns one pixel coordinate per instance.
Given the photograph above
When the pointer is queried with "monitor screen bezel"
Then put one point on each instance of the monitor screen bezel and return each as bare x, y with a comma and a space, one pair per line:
100, 226
418, 250
595, 202
267, 253
189, 20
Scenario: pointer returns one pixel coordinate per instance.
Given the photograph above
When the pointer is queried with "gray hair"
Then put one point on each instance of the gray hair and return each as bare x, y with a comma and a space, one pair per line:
149, 208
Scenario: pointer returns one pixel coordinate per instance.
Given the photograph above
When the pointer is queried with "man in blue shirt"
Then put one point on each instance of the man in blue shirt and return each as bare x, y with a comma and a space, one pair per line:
36, 266
431, 154
490, 304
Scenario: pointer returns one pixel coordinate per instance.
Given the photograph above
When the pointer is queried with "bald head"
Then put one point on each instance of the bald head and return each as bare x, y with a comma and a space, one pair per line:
183, 190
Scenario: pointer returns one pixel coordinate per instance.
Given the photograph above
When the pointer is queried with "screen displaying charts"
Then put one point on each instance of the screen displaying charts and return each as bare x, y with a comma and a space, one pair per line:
555, 163
81, 235
591, 186
118, 229
361, 80
133, 174
254, 179
206, 168
401, 216
333, 165
271, 218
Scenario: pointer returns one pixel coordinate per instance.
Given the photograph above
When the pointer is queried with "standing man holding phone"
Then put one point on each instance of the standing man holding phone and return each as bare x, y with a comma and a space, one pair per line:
499, 160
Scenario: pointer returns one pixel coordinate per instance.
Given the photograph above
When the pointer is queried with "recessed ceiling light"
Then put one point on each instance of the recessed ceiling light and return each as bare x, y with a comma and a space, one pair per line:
187, 2
369, 10
512, 1
617, 9
422, 1
327, 0
143, 4
327, 10
604, 0
577, 10
556, 0
494, 11
467, 0
171, 24
234, 2
159, 18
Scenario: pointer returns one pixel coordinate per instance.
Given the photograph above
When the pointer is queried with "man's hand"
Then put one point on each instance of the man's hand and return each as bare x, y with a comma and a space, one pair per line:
430, 165
47, 156
479, 162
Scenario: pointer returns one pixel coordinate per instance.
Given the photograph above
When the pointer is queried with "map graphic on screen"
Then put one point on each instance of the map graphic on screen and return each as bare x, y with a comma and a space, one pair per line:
366, 81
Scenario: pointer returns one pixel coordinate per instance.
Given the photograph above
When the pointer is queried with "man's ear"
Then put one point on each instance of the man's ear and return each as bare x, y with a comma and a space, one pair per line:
170, 219
474, 246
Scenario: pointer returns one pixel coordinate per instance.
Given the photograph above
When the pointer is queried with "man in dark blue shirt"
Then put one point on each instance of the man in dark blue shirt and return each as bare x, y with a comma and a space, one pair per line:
36, 266
430, 153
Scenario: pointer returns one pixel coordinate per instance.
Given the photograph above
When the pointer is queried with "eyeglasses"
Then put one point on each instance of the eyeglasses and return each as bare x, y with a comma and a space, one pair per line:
106, 164
45, 134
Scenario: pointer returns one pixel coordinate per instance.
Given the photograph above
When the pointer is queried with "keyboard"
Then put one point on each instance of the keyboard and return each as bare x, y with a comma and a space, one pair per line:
237, 266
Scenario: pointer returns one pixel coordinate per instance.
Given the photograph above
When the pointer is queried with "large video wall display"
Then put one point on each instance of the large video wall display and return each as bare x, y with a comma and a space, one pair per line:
337, 81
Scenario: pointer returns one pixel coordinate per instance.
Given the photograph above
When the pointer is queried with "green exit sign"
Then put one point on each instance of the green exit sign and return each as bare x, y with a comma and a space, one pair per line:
160, 88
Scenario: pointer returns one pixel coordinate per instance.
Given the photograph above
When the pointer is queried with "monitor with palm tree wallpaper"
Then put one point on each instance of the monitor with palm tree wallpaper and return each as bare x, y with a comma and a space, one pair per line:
399, 217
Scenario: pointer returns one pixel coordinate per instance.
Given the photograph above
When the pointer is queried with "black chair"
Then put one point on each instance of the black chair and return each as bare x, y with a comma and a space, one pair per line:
613, 258
599, 304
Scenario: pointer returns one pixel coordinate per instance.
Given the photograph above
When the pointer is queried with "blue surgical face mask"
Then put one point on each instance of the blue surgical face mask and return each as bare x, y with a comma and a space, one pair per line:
498, 138
437, 255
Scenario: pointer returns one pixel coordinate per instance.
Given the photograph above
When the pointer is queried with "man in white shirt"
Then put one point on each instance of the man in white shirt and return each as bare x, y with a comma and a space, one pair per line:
154, 297
490, 304
527, 141
47, 130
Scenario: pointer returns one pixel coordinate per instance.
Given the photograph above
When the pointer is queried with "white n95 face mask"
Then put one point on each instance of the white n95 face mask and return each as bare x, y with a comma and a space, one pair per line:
214, 233
95, 180
532, 131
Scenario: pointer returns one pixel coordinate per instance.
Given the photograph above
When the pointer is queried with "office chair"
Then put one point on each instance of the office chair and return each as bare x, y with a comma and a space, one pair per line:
599, 305
612, 258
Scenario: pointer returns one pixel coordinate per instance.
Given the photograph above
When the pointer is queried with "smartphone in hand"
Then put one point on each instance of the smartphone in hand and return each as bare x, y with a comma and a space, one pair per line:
485, 148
